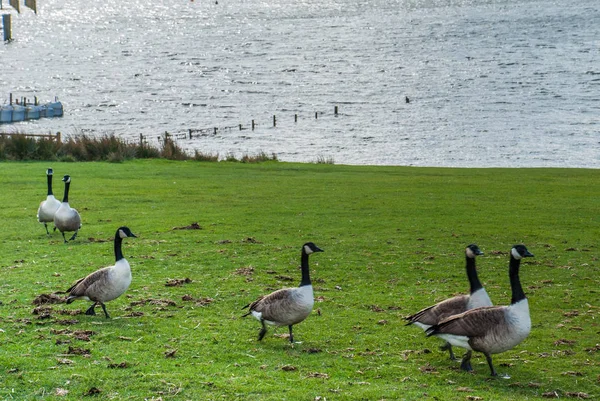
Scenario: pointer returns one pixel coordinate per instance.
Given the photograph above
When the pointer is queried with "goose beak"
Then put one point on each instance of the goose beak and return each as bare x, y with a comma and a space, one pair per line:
528, 254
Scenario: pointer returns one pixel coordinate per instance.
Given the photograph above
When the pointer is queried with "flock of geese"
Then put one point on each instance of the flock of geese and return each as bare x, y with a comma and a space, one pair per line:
467, 321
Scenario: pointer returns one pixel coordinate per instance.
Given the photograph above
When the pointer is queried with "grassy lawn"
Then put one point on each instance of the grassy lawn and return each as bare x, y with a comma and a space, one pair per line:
394, 240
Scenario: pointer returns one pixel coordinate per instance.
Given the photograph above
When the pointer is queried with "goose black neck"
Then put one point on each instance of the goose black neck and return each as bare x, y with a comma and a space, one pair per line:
305, 270
118, 251
49, 184
66, 196
472, 275
515, 283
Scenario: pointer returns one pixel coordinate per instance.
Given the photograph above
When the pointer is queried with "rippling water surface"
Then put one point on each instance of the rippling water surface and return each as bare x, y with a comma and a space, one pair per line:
490, 83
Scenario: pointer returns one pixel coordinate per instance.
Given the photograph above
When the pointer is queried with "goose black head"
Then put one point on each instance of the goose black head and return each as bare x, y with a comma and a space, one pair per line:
67, 179
520, 251
472, 251
310, 247
49, 172
124, 232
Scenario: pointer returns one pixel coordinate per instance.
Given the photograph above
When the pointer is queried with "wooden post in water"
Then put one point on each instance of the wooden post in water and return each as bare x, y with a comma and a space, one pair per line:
316, 115
190, 133
335, 110
274, 121
58, 138
295, 118
240, 127
7, 28
215, 130
252, 125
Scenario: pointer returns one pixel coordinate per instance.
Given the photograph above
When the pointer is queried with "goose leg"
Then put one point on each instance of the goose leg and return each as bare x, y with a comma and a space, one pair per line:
489, 361
91, 311
63, 234
46, 227
466, 361
263, 331
104, 309
74, 236
291, 335
448, 347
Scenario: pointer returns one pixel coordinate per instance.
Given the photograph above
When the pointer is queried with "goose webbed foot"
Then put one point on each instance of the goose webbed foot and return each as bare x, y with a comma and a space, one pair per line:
448, 347
74, 236
465, 364
91, 311
263, 331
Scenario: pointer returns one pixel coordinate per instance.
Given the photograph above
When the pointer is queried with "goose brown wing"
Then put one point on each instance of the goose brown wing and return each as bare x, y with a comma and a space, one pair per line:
82, 285
270, 306
473, 323
436, 313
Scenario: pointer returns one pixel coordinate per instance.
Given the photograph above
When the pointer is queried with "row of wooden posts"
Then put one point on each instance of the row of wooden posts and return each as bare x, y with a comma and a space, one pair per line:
190, 134
166, 136
6, 27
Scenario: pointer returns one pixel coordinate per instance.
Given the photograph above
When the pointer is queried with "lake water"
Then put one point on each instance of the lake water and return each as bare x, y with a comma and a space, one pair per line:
511, 83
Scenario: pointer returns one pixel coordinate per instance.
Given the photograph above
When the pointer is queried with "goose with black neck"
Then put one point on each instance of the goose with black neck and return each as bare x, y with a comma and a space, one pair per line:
67, 219
48, 207
287, 306
107, 283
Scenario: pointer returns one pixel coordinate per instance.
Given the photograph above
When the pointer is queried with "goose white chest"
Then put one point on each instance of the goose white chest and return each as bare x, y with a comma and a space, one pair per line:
119, 280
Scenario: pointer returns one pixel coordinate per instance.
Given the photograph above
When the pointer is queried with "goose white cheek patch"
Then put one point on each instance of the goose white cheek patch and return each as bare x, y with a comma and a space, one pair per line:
515, 254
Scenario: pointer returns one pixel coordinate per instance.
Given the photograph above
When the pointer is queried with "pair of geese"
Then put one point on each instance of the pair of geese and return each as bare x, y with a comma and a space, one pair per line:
471, 322
64, 217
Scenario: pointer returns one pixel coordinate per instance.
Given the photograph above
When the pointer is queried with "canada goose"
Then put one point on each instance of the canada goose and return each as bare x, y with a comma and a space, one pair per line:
493, 329
477, 297
107, 283
66, 218
45, 213
288, 306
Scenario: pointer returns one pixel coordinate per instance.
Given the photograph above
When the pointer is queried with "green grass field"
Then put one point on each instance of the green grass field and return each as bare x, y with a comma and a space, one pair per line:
394, 240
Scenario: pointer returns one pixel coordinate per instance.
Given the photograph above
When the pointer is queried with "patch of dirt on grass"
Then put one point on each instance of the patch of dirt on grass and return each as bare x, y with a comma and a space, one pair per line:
92, 391
199, 301
563, 341
318, 375
122, 365
44, 299
78, 351
244, 271
151, 301
193, 226
170, 353
178, 282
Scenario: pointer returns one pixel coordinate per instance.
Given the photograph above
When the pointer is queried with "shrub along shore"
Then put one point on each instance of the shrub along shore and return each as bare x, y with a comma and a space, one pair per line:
211, 237
106, 148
